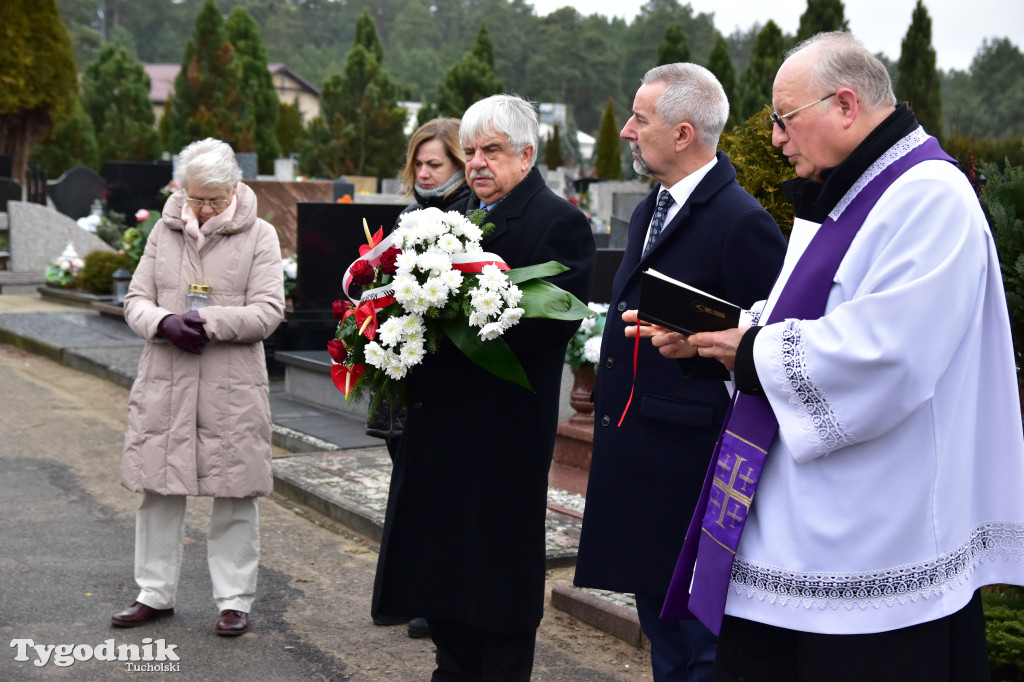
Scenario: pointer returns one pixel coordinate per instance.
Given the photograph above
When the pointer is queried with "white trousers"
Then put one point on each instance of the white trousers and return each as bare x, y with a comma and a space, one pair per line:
232, 550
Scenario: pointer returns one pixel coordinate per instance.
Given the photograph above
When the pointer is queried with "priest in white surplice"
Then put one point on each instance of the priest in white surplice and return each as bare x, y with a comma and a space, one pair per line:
890, 477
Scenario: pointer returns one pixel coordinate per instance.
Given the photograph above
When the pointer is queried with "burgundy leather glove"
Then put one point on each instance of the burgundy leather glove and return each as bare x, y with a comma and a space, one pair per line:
184, 331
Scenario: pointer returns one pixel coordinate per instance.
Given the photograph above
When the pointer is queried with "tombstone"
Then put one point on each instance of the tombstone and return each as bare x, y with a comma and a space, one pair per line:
10, 190
391, 186
284, 170
343, 187
132, 185
605, 267
249, 163
74, 192
618, 233
5, 165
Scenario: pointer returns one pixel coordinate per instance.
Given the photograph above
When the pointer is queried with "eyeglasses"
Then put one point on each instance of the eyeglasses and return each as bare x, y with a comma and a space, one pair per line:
780, 119
215, 204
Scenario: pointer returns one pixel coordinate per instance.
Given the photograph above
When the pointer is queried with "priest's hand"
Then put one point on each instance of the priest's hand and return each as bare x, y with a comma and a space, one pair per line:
719, 346
669, 343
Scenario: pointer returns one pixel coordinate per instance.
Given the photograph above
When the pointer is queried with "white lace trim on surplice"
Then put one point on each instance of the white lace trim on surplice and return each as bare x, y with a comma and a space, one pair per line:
825, 429
989, 542
913, 140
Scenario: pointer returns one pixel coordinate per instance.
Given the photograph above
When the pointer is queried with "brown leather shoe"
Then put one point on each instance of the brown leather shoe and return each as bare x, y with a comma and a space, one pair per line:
138, 614
232, 623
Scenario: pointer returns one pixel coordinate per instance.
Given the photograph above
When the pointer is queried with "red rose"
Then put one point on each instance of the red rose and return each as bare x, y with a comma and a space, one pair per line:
388, 258
337, 350
339, 308
362, 272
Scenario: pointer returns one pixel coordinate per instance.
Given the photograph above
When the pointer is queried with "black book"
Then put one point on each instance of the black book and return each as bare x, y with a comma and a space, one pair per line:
677, 306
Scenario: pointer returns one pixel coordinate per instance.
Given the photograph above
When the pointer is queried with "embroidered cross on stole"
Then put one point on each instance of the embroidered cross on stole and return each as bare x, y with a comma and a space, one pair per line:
700, 584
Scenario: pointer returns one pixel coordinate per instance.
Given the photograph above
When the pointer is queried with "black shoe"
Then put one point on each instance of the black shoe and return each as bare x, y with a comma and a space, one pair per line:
391, 620
418, 628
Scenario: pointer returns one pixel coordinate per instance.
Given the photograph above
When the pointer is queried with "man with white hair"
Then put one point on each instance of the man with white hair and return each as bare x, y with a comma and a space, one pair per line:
646, 472
464, 538
867, 481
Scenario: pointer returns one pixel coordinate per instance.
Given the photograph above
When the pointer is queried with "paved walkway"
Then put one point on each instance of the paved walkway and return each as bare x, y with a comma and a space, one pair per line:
324, 459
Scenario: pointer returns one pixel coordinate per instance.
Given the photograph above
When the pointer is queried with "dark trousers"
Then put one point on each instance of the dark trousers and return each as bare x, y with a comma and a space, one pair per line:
950, 649
467, 654
681, 650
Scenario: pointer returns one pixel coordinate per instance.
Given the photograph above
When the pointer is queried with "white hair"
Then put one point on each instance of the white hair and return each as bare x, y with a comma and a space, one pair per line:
692, 94
207, 163
843, 62
507, 115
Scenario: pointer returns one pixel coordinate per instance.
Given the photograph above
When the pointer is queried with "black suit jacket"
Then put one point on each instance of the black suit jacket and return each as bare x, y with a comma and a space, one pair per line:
646, 476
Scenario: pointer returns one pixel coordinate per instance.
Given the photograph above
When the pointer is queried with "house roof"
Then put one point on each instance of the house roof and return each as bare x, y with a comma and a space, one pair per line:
161, 79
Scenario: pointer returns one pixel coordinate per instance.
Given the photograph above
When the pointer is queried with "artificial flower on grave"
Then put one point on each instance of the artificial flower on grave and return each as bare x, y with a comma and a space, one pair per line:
428, 280
290, 266
64, 268
585, 346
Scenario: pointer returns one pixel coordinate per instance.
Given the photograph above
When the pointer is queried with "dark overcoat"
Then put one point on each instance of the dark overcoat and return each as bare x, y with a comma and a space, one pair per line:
646, 476
464, 528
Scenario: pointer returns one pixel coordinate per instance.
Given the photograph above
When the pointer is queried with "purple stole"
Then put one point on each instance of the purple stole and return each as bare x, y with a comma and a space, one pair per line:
750, 426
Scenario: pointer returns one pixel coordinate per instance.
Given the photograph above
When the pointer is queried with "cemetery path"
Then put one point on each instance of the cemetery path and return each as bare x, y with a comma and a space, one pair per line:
66, 526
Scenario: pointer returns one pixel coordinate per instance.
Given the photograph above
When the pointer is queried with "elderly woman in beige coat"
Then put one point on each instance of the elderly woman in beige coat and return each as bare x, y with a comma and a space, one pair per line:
199, 411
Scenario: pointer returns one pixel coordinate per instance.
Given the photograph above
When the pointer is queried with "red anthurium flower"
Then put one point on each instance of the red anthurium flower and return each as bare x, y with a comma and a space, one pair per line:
346, 378
340, 309
377, 236
366, 320
388, 258
337, 350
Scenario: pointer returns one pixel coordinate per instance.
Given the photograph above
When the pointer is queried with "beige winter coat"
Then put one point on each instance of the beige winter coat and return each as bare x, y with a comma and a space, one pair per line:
200, 424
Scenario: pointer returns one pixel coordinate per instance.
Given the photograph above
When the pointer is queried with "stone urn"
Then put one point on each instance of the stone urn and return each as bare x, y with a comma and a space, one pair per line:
579, 397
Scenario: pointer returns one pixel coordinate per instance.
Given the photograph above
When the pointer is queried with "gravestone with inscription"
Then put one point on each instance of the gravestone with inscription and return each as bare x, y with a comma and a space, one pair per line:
132, 185
74, 192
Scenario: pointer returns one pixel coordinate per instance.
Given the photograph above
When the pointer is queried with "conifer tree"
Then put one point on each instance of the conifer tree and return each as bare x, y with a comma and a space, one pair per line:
674, 48
260, 105
471, 79
206, 98
37, 68
918, 82
821, 15
608, 154
755, 87
115, 94
553, 156
72, 143
720, 64
360, 127
290, 130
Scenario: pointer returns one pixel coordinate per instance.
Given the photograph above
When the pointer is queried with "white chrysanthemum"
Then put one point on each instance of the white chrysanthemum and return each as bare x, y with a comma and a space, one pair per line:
416, 305
394, 367
390, 332
405, 263
452, 279
406, 289
375, 354
492, 278
510, 317
411, 354
599, 308
435, 263
587, 325
478, 319
592, 349
491, 331
512, 295
449, 243
486, 301
436, 292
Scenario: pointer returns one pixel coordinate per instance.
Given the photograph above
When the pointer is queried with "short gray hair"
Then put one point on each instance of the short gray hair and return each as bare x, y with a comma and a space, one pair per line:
207, 163
844, 62
692, 94
507, 115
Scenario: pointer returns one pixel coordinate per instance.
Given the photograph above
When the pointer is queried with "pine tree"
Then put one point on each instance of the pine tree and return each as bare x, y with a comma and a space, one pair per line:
720, 64
471, 79
674, 47
553, 156
260, 105
821, 15
37, 68
360, 127
115, 94
72, 143
608, 154
206, 98
918, 82
755, 87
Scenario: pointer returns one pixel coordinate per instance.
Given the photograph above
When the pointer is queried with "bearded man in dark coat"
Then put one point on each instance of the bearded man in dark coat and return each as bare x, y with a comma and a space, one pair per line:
464, 531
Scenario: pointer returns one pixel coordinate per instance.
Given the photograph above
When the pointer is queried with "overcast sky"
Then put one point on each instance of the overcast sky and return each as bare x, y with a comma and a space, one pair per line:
958, 27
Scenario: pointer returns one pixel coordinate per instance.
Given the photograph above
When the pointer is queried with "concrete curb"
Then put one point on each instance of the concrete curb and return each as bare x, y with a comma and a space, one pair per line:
600, 613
